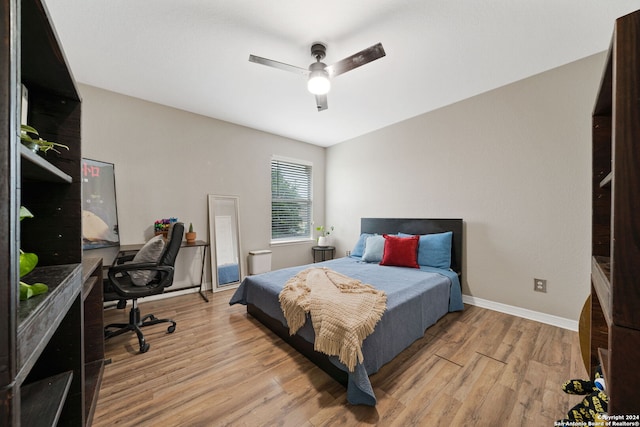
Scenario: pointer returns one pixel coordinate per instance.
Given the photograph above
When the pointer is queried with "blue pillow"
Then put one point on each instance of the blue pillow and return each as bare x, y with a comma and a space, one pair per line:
358, 249
434, 250
373, 249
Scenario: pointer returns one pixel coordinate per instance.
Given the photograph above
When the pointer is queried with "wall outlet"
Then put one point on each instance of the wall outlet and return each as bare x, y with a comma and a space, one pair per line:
540, 285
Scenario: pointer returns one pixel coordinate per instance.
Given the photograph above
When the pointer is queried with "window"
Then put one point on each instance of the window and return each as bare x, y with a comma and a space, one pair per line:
290, 199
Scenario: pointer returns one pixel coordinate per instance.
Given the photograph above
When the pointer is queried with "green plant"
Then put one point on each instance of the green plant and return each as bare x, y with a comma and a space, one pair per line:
24, 213
28, 262
324, 232
30, 136
190, 228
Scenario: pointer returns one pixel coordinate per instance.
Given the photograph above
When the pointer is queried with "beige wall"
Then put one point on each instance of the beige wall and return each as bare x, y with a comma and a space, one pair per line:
167, 161
514, 163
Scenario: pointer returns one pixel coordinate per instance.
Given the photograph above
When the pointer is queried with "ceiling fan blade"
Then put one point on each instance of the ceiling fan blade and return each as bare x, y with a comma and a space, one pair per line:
356, 60
321, 102
280, 65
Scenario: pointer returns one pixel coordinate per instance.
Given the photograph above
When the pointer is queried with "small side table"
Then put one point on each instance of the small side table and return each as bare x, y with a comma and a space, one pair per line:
323, 253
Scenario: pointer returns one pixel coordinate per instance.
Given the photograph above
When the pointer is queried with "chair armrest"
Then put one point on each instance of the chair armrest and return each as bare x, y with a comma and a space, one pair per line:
121, 268
166, 272
123, 258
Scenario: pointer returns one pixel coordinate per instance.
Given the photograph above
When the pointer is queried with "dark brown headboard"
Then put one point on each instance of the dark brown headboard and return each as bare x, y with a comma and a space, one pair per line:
419, 226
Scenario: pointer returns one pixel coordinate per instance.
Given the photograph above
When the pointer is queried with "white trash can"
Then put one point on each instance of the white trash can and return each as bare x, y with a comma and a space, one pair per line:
259, 261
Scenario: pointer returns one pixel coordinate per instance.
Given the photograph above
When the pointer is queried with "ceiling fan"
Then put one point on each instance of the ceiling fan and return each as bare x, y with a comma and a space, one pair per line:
319, 73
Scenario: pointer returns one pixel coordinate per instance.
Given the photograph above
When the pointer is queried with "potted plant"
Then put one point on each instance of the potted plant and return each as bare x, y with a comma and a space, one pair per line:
28, 262
190, 235
323, 239
30, 137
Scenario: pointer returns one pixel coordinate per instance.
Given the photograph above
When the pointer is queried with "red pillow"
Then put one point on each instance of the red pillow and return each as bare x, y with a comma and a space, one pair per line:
400, 251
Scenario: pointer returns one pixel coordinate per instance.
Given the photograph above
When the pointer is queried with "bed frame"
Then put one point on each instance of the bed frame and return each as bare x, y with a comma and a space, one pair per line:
368, 225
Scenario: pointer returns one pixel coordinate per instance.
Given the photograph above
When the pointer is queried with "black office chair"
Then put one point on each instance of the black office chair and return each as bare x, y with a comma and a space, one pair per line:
120, 287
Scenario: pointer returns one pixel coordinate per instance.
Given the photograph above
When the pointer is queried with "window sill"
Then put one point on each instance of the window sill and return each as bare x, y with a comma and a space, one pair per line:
291, 242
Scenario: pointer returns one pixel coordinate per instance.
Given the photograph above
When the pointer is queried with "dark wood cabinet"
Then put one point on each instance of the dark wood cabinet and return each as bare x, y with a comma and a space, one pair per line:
615, 272
51, 354
93, 333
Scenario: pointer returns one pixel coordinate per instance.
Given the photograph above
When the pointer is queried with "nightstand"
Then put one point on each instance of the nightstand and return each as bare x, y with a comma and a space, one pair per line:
323, 253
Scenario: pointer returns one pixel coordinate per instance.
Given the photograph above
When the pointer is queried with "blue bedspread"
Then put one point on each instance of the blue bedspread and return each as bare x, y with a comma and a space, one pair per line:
416, 299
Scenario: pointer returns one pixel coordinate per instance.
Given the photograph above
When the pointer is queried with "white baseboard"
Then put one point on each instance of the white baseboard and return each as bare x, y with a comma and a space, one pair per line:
549, 319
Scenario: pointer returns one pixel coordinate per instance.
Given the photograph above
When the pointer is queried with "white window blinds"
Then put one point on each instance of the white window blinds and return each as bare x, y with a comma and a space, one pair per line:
290, 200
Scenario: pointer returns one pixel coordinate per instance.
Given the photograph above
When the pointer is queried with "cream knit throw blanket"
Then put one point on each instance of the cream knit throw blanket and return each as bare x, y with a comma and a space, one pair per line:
344, 311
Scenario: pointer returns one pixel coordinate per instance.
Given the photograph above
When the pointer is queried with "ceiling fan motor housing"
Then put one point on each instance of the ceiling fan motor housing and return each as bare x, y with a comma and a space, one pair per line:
318, 66
318, 50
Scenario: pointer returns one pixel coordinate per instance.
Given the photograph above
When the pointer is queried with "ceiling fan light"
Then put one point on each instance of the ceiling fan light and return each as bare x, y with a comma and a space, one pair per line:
319, 83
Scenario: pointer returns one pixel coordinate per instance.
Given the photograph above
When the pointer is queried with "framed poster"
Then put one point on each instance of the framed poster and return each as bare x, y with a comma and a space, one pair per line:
99, 208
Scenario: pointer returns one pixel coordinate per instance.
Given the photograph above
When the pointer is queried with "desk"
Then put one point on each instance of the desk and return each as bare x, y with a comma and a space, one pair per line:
323, 252
132, 249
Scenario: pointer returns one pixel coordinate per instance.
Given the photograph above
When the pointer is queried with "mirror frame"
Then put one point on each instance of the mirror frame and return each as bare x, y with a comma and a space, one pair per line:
212, 199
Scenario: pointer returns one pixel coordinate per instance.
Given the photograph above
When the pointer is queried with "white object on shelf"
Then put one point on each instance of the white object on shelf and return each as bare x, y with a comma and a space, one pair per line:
24, 105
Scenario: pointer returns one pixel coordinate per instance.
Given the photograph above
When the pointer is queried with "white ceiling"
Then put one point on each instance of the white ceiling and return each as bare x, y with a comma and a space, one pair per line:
193, 54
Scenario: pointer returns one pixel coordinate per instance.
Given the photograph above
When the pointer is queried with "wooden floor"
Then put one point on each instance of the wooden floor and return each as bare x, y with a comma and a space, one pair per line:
223, 368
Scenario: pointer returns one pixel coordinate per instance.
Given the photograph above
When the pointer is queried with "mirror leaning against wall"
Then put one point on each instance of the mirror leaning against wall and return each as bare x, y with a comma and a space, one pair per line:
224, 235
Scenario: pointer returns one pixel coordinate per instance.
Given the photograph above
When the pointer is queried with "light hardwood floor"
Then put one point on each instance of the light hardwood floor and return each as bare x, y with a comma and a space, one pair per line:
223, 368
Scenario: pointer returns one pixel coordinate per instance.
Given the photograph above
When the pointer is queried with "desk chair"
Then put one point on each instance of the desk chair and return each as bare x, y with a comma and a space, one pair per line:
133, 280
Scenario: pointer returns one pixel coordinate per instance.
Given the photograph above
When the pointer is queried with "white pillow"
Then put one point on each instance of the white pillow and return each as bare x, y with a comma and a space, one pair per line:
373, 249
150, 252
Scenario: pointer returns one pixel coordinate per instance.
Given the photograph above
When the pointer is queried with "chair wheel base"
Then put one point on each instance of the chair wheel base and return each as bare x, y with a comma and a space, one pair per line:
136, 323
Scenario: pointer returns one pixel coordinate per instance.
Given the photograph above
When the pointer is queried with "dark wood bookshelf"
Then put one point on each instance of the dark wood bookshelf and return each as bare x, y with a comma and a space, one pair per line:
606, 181
93, 334
615, 265
41, 400
51, 345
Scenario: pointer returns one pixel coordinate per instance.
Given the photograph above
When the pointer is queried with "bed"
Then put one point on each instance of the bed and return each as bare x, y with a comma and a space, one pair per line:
416, 298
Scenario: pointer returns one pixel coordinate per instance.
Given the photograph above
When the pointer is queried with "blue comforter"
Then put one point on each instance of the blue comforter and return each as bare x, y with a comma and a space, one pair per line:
416, 299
